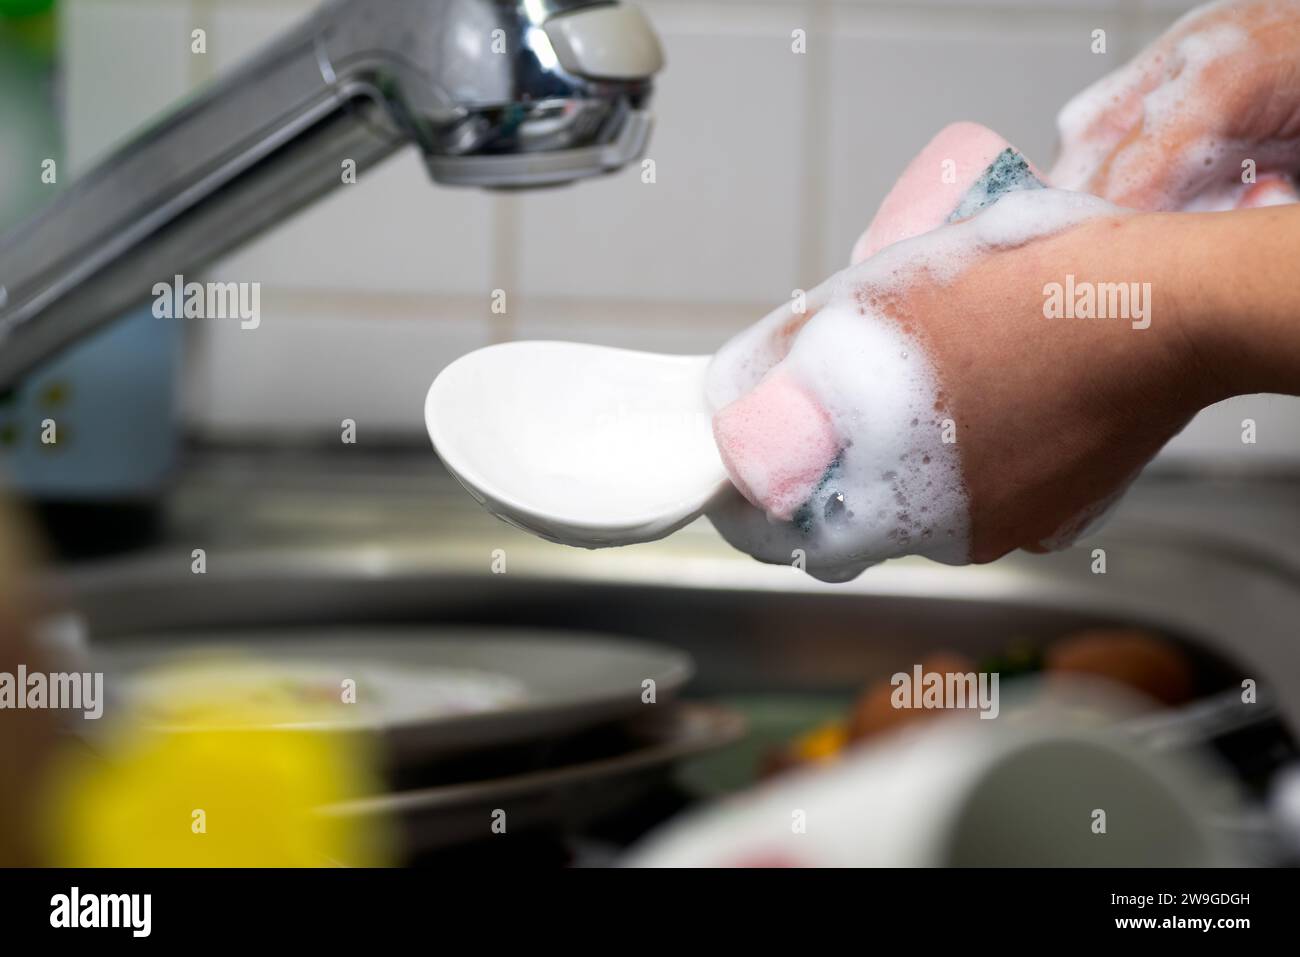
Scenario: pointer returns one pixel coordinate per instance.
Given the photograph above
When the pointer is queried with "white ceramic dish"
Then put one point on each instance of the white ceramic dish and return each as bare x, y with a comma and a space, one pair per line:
428, 691
581, 444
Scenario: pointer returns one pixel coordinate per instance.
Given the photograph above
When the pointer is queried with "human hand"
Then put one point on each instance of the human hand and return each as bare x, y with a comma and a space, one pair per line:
1206, 117
925, 403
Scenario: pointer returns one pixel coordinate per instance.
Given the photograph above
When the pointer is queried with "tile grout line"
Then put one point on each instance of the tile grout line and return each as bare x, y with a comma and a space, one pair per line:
815, 129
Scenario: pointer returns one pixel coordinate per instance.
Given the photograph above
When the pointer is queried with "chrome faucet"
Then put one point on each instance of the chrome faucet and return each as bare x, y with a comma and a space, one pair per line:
496, 93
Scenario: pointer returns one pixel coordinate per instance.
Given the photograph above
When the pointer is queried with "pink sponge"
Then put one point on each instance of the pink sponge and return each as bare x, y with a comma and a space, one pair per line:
933, 185
777, 441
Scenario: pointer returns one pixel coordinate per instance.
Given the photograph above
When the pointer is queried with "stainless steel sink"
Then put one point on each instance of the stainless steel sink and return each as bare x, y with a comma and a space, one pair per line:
306, 544
302, 540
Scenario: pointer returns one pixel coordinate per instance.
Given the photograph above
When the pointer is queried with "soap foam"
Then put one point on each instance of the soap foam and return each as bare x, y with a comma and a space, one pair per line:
1174, 78
1209, 168
896, 487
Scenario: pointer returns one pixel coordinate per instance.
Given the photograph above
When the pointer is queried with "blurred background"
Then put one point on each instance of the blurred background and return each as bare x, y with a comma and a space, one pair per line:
769, 164
177, 436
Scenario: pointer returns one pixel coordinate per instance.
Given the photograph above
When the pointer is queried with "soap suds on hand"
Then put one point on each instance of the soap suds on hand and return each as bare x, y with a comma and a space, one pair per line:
1208, 168
895, 488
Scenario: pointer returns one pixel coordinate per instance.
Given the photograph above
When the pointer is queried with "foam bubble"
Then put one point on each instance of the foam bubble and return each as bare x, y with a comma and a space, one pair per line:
896, 487
1162, 93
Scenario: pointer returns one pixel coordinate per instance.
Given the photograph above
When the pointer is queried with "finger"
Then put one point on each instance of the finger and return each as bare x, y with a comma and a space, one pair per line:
1165, 134
1093, 124
1164, 165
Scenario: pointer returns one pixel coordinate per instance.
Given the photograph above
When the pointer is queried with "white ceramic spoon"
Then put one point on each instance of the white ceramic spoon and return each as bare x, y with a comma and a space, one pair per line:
581, 444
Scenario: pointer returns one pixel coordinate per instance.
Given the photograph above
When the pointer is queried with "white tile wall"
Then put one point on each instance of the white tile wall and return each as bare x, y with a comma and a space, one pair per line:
899, 78
679, 328
1216, 434
721, 219
391, 233
768, 165
320, 358
123, 62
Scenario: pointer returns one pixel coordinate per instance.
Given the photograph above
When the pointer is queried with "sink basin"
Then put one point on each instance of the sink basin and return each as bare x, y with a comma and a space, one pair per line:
327, 547
304, 553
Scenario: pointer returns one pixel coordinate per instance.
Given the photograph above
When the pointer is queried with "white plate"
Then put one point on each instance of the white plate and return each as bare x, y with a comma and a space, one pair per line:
428, 690
582, 444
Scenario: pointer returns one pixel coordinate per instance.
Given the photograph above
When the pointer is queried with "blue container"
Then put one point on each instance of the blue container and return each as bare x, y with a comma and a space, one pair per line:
113, 401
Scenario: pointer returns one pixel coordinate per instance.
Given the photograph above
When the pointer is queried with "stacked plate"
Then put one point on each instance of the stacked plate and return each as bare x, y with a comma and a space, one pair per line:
555, 728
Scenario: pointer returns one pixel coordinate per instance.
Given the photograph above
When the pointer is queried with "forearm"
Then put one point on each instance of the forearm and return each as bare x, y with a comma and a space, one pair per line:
1236, 286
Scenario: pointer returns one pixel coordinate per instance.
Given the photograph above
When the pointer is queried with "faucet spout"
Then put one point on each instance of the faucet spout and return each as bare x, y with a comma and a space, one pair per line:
495, 93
